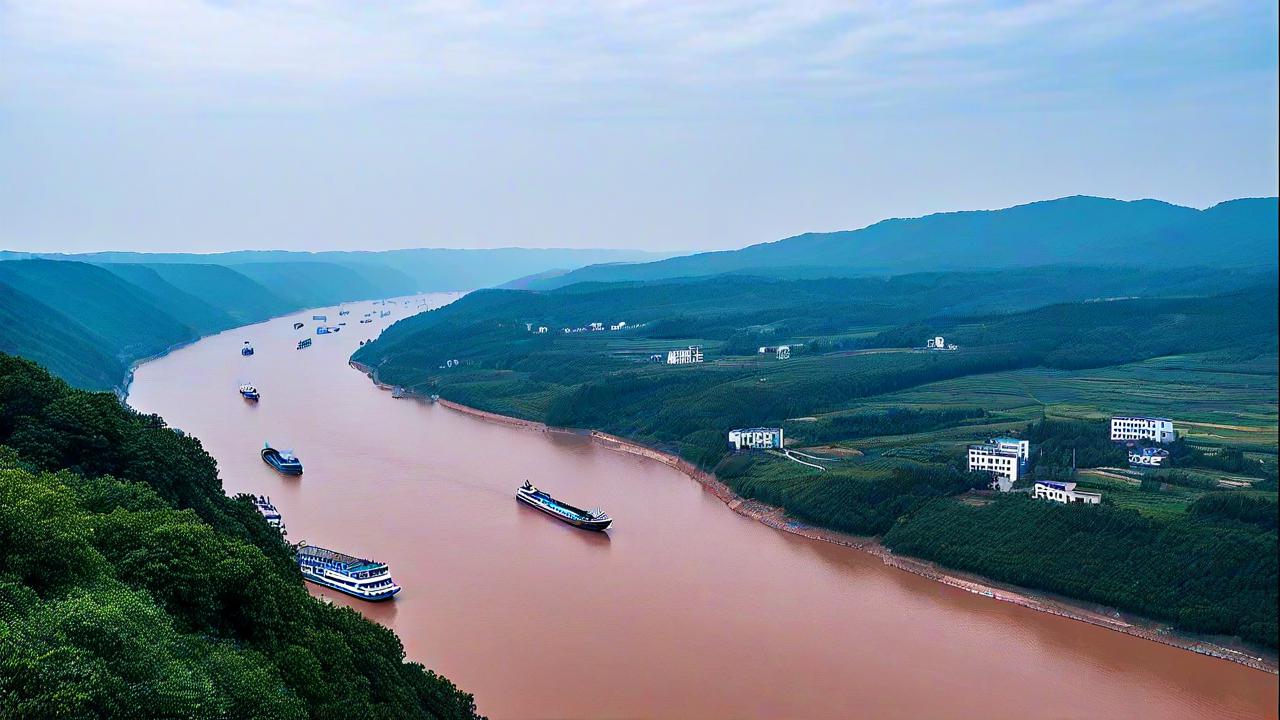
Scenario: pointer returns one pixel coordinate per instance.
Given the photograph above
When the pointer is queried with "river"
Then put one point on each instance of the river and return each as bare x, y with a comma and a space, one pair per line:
684, 609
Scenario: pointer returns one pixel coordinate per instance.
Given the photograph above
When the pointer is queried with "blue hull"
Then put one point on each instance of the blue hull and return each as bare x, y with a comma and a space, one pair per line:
345, 591
272, 458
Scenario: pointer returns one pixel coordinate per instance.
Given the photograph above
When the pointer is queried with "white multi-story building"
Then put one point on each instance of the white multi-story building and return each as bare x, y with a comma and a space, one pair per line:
936, 342
692, 354
1003, 465
618, 326
1065, 492
756, 438
597, 326
1142, 428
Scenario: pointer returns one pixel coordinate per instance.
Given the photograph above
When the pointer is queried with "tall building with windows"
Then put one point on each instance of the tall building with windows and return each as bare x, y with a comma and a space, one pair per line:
1160, 430
1002, 463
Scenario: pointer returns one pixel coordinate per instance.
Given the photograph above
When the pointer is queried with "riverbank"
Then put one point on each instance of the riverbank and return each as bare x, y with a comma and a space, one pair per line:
777, 519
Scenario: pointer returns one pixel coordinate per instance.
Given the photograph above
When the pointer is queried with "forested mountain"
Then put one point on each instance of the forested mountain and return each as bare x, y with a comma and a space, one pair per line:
1077, 230
136, 589
426, 269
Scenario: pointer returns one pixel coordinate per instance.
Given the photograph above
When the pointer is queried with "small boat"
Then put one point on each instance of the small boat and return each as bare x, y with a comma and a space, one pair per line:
397, 392
365, 579
284, 462
577, 517
297, 326
366, 320
342, 323
249, 392
384, 313
246, 349
435, 398
321, 318
304, 343
344, 312
263, 505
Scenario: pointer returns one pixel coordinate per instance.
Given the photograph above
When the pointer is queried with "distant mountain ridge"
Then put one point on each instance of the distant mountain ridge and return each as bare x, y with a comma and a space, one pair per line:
401, 271
1076, 230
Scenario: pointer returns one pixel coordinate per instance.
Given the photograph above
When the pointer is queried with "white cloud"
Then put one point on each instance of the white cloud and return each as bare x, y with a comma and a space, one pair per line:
267, 51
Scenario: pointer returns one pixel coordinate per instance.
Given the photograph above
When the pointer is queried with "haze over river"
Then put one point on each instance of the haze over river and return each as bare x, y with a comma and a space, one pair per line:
684, 609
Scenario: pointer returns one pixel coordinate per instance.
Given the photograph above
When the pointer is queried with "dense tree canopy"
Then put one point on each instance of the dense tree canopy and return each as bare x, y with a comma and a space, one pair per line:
134, 588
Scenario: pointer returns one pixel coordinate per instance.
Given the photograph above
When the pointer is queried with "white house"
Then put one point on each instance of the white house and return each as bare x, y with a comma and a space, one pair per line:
542, 330
936, 342
756, 438
1148, 457
618, 326
1003, 464
693, 354
1065, 492
597, 326
1142, 428
784, 352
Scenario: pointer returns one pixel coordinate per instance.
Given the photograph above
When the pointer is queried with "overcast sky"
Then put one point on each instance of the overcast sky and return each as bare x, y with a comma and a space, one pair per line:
665, 124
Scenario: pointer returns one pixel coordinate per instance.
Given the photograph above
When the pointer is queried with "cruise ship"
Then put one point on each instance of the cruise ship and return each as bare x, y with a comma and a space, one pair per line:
365, 579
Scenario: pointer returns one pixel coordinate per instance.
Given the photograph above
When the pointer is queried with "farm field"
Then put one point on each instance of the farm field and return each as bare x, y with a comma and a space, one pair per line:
1213, 399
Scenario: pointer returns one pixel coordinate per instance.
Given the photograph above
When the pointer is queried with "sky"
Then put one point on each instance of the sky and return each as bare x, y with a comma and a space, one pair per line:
206, 125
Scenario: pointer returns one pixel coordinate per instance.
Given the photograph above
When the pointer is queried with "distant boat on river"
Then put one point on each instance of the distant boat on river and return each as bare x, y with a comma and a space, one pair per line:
249, 392
297, 326
247, 349
586, 519
304, 343
283, 461
365, 579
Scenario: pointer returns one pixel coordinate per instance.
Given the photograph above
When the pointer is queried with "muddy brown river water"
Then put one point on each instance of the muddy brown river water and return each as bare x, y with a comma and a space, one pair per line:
684, 609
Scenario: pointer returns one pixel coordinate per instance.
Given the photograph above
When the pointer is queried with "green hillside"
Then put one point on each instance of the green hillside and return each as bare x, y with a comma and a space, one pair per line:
243, 299
34, 330
122, 314
204, 317
1074, 230
136, 589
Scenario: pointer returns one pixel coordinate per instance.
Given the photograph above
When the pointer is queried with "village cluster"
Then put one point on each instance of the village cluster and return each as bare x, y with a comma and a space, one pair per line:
1006, 458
